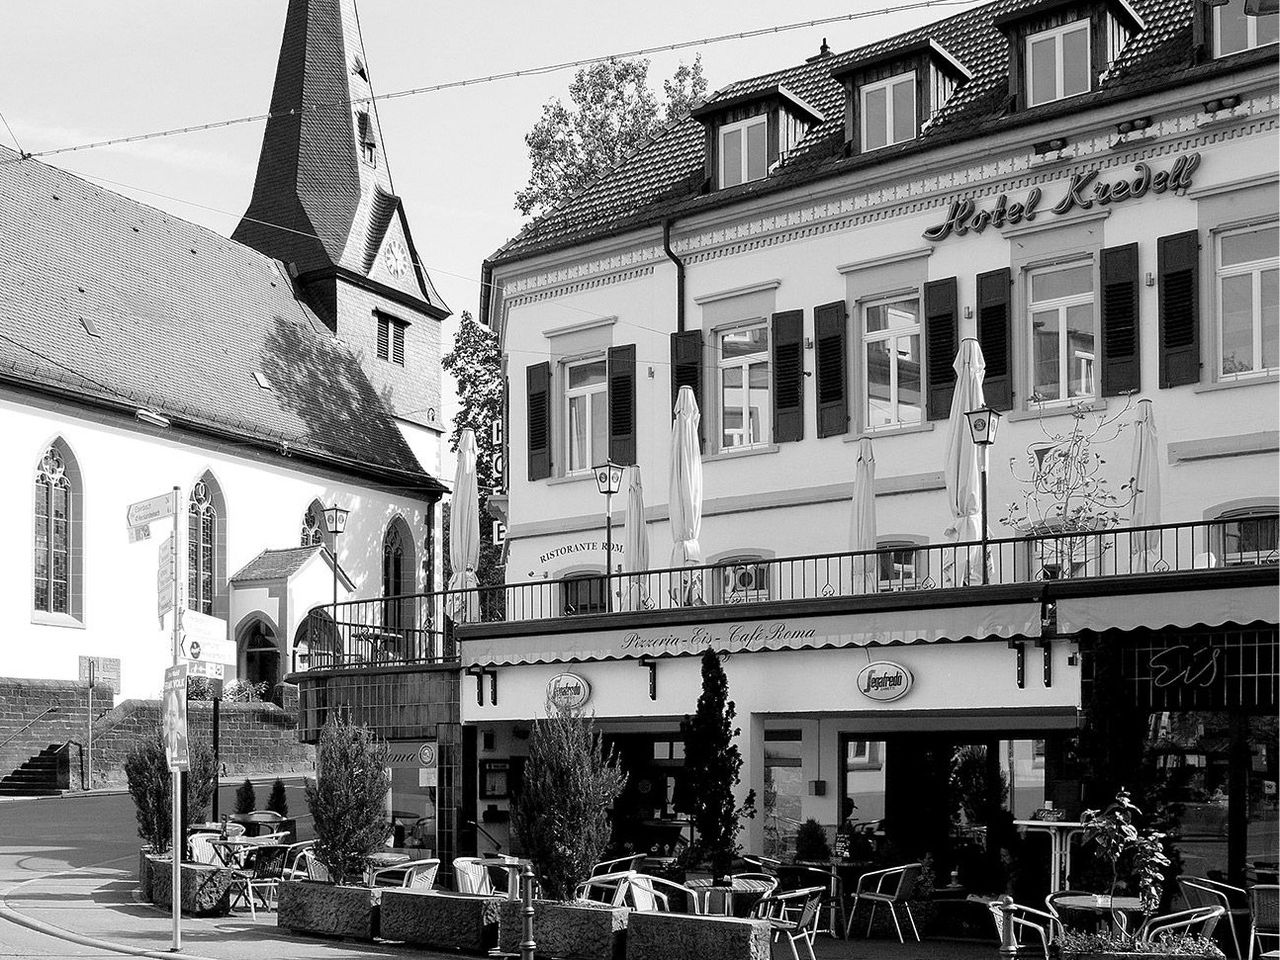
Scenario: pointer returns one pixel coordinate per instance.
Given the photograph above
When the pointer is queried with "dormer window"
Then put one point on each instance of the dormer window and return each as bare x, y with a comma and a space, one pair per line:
888, 111
367, 141
1058, 63
744, 151
1235, 31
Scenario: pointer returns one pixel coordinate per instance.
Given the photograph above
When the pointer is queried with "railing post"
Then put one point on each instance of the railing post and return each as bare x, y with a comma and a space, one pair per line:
1008, 940
527, 945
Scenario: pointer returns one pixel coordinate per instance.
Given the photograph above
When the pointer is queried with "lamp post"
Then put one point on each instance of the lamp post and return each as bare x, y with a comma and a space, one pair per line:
335, 519
608, 482
983, 424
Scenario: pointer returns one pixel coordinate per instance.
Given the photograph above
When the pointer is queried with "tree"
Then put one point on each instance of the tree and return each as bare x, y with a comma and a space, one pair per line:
150, 785
713, 764
611, 113
348, 799
562, 813
246, 799
278, 802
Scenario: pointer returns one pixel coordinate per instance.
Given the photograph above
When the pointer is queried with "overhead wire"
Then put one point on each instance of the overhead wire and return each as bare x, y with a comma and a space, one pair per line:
13, 136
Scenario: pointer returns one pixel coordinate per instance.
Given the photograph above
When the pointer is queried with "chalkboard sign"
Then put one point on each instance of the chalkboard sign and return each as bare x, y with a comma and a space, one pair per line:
842, 846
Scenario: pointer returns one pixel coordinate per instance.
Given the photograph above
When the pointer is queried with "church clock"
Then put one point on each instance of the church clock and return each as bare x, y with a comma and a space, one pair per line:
396, 258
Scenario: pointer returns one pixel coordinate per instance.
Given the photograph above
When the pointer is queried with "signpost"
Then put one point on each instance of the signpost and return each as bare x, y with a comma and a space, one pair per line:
139, 517
203, 637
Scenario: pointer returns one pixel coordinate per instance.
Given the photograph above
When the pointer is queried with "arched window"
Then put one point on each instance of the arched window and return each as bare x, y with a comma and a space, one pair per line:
206, 545
57, 551
315, 530
1249, 534
398, 573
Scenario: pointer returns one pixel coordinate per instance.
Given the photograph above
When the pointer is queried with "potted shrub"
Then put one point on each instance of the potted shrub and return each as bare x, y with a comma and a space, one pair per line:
347, 803
562, 820
246, 799
811, 843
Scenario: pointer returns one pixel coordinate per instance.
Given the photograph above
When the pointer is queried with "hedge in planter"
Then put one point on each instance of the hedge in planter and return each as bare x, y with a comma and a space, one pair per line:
1106, 946
150, 786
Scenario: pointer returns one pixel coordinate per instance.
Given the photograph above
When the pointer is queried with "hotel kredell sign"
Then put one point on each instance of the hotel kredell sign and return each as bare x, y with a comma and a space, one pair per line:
1083, 192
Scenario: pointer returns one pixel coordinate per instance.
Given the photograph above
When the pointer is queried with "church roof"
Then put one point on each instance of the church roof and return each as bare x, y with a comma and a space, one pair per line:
111, 301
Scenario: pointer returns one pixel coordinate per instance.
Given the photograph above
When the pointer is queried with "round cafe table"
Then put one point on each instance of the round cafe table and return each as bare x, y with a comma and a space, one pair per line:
1101, 903
745, 889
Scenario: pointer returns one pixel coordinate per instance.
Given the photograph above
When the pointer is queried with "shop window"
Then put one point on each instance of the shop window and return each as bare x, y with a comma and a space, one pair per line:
671, 750
888, 111
784, 790
206, 544
1058, 63
1059, 557
891, 363
858, 763
587, 414
743, 151
1037, 754
743, 357
1063, 330
1248, 263
583, 594
1234, 30
744, 580
1249, 537
57, 569
903, 565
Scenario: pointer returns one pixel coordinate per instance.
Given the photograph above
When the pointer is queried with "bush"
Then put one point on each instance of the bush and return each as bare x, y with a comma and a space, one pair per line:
150, 783
348, 799
811, 841
278, 802
233, 691
246, 799
1174, 945
562, 813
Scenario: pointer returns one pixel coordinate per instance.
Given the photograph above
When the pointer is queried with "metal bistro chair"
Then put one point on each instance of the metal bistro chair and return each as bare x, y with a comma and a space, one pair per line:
1264, 910
893, 886
793, 915
610, 888
1026, 920
1077, 918
620, 865
649, 894
766, 864
471, 875
1203, 892
414, 875
292, 852
261, 876
201, 849
1198, 920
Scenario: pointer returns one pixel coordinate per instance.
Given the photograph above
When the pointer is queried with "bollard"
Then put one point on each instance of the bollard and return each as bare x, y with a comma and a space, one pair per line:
527, 945
1008, 939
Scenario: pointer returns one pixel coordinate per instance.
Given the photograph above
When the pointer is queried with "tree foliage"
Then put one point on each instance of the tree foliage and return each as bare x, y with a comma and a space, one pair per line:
562, 813
610, 114
150, 785
713, 764
278, 802
246, 798
348, 798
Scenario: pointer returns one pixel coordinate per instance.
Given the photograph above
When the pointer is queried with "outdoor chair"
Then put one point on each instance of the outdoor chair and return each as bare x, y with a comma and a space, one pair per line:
768, 878
766, 864
1026, 921
259, 822
1197, 920
619, 865
261, 876
650, 894
610, 888
291, 854
471, 875
1264, 919
1203, 892
1079, 918
201, 849
893, 886
793, 915
837, 918
414, 875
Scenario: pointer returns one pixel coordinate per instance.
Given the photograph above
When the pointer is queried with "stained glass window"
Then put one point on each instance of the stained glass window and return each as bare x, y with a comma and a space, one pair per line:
52, 567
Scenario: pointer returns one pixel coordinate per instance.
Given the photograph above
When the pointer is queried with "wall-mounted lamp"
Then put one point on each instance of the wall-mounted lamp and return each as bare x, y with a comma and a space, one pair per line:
1150, 279
652, 665
817, 788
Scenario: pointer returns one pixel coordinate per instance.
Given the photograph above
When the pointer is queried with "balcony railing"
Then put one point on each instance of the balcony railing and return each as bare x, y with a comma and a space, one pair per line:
419, 628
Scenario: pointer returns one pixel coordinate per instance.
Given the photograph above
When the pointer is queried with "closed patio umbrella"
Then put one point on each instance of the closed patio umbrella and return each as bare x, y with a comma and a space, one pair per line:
862, 523
685, 493
961, 467
635, 544
1146, 485
464, 534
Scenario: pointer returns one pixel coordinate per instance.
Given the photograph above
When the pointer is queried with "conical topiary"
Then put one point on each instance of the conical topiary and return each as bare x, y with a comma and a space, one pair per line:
278, 802
246, 800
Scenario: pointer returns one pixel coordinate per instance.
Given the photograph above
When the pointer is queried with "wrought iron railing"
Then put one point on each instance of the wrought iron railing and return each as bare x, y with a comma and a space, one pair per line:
419, 628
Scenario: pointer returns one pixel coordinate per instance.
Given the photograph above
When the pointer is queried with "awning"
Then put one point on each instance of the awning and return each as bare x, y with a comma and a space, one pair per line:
1186, 608
870, 628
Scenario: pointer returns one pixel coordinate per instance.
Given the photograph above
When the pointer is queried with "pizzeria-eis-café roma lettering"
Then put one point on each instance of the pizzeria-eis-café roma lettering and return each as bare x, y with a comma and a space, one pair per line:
1083, 191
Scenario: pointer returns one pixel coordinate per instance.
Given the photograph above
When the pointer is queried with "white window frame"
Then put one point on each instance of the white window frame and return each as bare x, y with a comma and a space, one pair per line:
919, 564
1256, 268
890, 333
1061, 304
743, 125
570, 393
1251, 34
744, 363
1241, 515
1057, 33
887, 85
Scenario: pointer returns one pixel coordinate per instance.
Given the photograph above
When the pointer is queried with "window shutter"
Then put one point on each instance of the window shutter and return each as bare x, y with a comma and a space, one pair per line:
622, 404
538, 376
384, 339
994, 336
941, 340
788, 376
686, 364
831, 336
1178, 264
1120, 361
397, 343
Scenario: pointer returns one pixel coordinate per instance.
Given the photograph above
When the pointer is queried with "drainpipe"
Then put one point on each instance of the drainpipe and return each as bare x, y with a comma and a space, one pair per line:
666, 247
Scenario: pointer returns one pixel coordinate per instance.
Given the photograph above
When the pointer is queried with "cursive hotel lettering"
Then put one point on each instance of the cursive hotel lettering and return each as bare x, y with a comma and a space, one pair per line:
1084, 190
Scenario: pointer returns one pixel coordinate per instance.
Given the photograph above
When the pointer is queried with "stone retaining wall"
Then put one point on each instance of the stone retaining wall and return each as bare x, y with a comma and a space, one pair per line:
22, 701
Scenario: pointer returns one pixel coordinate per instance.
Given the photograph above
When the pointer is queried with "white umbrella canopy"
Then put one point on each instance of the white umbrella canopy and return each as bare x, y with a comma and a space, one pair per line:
961, 467
1146, 484
685, 492
464, 533
862, 520
635, 544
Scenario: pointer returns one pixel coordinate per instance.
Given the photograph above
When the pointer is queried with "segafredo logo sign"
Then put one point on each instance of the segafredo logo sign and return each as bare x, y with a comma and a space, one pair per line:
884, 680
568, 690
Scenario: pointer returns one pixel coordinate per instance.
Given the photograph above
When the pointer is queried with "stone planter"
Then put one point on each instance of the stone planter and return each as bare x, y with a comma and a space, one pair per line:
1137, 955
307, 906
144, 871
441, 919
206, 889
567, 931
675, 936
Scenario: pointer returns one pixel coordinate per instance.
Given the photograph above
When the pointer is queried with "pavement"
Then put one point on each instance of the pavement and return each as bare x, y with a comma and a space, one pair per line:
68, 889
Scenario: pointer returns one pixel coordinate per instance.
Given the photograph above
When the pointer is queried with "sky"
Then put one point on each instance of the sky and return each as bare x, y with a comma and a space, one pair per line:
84, 70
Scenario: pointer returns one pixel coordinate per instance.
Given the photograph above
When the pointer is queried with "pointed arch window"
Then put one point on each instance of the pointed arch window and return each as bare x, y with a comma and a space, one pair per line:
203, 557
315, 530
398, 575
393, 561
56, 571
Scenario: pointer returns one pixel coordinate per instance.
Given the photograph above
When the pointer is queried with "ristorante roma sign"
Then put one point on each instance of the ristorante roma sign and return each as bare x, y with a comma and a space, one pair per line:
1084, 191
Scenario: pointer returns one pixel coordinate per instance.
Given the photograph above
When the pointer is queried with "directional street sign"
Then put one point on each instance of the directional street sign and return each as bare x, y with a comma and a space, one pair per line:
205, 638
200, 668
145, 511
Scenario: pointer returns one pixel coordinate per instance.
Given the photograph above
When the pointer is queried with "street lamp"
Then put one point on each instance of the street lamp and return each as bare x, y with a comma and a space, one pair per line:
608, 482
335, 518
983, 425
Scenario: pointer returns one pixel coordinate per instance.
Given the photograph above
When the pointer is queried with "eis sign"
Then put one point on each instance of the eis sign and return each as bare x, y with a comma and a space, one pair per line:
1084, 190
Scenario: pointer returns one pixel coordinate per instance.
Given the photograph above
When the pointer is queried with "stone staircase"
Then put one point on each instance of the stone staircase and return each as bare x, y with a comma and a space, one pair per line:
43, 775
